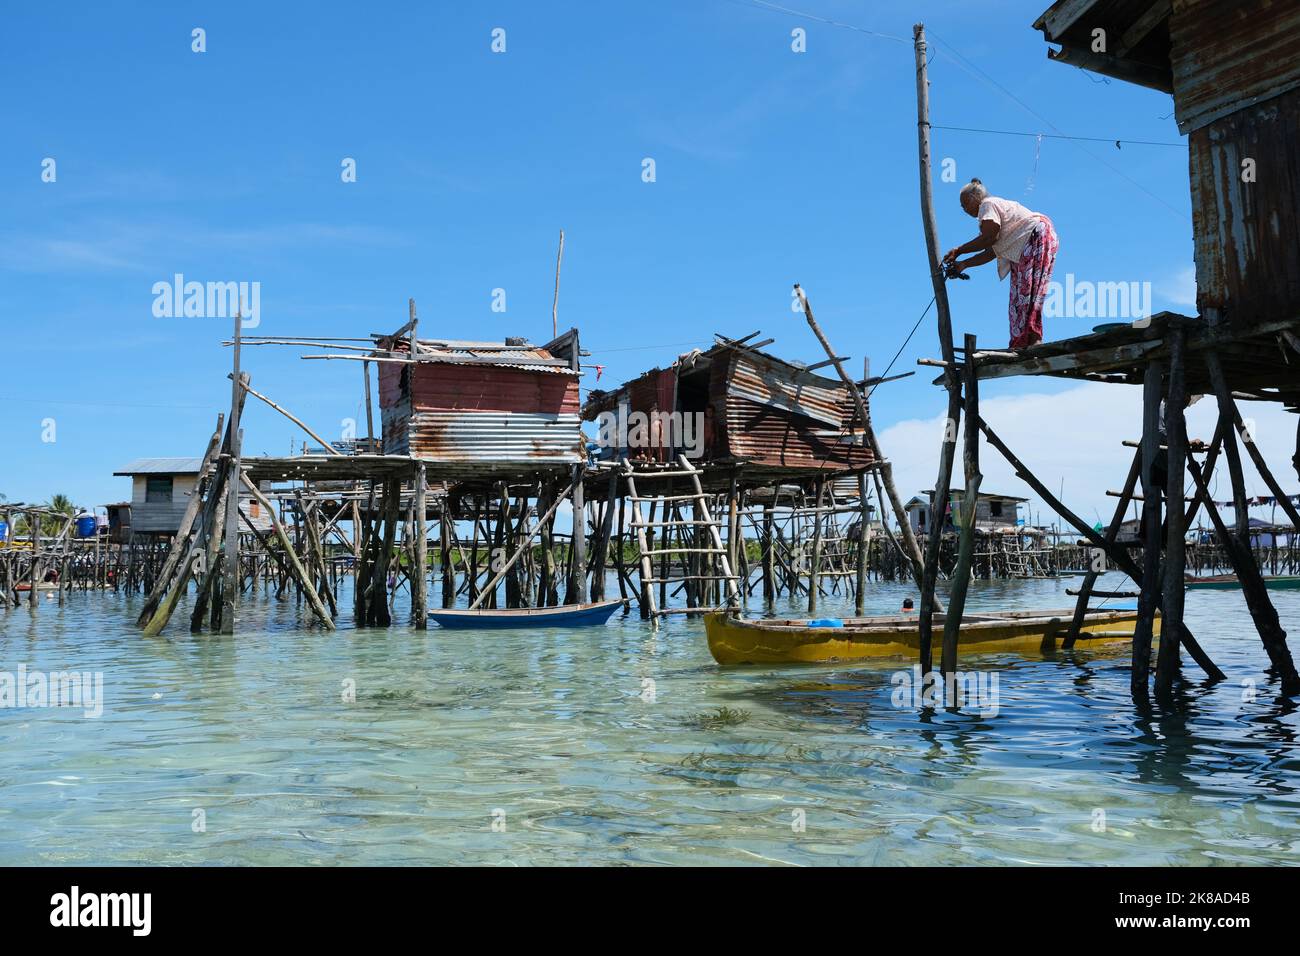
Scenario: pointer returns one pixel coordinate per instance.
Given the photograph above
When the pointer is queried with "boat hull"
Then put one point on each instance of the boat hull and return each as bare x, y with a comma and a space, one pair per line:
1229, 582
579, 615
734, 641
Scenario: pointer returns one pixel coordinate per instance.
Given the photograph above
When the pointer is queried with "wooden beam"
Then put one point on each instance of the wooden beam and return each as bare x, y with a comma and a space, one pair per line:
313, 599
329, 449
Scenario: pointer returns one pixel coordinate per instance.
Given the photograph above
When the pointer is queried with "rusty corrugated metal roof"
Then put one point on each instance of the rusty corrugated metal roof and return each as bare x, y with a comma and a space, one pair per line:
531, 358
1229, 56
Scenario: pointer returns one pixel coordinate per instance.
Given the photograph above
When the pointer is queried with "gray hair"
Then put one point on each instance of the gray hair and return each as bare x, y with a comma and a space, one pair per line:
974, 189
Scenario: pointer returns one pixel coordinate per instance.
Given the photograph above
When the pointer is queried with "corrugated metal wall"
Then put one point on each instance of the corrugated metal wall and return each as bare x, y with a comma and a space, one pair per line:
1229, 54
771, 433
482, 414
1248, 233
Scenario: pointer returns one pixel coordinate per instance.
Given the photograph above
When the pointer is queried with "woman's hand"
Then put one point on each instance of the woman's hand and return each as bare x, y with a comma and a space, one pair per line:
951, 255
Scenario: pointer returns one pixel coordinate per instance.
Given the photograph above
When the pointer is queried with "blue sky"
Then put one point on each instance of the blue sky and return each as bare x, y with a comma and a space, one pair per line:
772, 167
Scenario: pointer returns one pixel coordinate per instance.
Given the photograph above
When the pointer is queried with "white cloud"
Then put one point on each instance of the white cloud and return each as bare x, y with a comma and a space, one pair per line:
1180, 288
1074, 436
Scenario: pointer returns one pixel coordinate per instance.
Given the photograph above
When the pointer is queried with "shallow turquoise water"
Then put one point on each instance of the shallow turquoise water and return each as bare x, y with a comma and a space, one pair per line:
557, 729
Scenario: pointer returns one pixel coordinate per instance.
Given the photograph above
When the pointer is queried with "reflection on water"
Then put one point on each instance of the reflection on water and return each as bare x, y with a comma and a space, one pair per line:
621, 745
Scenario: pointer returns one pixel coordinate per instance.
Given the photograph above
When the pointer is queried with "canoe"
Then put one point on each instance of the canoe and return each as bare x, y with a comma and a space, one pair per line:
791, 641
1229, 582
26, 586
566, 615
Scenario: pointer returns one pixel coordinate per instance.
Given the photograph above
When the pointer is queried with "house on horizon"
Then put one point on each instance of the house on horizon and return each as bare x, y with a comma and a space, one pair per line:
993, 512
161, 489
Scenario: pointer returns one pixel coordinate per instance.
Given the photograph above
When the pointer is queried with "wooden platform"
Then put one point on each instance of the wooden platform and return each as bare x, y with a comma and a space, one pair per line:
1262, 363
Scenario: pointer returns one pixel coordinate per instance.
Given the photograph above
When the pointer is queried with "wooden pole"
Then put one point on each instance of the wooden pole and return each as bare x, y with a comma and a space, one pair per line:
420, 573
370, 417
1253, 588
555, 303
1152, 392
815, 561
910, 547
1228, 410
1171, 622
313, 599
329, 449
578, 543
186, 526
947, 450
555, 504
1121, 557
969, 509
444, 560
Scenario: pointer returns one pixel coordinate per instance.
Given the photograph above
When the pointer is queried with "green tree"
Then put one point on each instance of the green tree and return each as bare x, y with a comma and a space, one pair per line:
61, 505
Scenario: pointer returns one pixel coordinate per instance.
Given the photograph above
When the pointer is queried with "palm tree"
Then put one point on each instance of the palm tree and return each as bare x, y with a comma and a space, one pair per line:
62, 505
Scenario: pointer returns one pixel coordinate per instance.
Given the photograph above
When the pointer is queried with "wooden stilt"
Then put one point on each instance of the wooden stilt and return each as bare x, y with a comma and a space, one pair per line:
1171, 622
814, 565
969, 508
313, 599
578, 543
1119, 556
1152, 392
420, 573
230, 580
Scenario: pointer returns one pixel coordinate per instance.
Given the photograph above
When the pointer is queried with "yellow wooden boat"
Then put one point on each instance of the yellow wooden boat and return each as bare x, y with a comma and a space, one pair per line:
733, 640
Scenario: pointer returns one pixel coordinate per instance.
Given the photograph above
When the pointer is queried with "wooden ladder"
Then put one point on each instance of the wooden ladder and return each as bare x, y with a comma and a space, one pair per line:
705, 519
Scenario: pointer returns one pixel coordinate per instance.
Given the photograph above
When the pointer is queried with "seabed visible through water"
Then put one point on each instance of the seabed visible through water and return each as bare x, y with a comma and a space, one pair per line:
622, 745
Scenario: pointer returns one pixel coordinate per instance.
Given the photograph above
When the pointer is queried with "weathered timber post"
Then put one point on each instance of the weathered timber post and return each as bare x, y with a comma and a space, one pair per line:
1261, 608
313, 599
1171, 623
444, 559
1152, 392
864, 514
420, 573
230, 586
814, 563
969, 510
769, 590
939, 502
600, 557
578, 543
1118, 555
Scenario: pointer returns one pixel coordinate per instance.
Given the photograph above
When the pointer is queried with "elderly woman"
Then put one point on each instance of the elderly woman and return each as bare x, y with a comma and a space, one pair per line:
1023, 242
